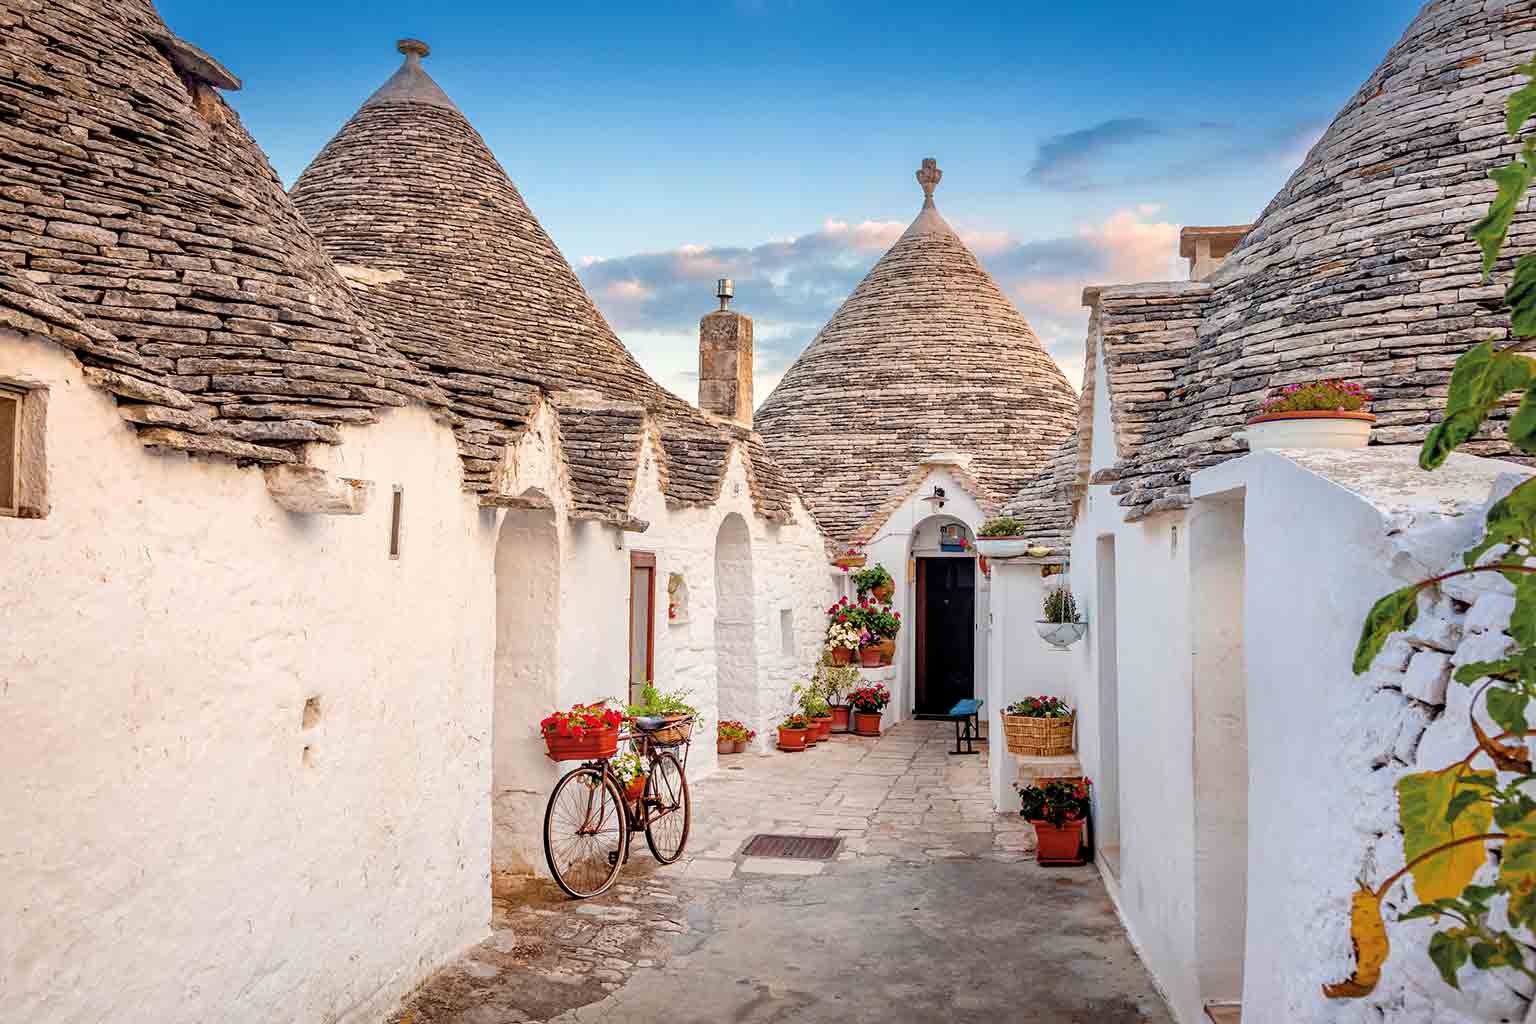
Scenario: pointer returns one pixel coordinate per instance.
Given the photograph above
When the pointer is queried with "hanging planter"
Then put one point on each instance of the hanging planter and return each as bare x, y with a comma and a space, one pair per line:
1062, 626
1317, 414
1061, 635
853, 558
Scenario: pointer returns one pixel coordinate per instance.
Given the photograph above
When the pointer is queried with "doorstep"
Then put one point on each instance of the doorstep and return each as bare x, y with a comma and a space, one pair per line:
1032, 769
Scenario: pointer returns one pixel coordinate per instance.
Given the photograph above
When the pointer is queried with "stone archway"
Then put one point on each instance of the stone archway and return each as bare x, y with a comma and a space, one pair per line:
526, 673
735, 626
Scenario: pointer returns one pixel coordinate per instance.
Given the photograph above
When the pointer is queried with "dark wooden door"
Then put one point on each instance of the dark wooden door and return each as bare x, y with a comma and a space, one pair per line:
946, 633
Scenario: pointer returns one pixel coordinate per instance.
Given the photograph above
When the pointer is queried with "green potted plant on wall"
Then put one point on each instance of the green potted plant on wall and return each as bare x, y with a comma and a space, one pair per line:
876, 582
1063, 624
1316, 414
1002, 537
1058, 809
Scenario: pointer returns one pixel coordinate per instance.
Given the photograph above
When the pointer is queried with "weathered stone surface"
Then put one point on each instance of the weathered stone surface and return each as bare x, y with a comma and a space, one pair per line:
134, 387
203, 444
309, 490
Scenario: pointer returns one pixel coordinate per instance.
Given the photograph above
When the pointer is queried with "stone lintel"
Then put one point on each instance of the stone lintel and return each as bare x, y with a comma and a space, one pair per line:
310, 490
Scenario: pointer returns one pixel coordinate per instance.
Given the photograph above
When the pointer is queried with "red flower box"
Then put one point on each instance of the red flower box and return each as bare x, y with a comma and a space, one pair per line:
587, 732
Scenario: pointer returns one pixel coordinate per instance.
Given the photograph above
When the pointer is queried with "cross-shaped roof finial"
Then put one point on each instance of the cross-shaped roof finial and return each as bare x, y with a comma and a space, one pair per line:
928, 176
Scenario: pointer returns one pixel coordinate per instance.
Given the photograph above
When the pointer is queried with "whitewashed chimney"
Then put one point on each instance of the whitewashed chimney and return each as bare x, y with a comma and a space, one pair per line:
1206, 248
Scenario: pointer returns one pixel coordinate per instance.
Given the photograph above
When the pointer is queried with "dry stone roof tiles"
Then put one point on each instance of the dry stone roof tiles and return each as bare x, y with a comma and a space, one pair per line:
442, 249
1359, 268
926, 356
145, 229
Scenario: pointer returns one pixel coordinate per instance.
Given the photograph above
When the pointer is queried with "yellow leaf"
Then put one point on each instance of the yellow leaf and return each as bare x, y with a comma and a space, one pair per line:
1368, 934
1422, 802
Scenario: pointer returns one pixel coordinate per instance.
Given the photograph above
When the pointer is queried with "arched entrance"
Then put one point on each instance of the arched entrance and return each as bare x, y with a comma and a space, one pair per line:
944, 611
735, 626
527, 681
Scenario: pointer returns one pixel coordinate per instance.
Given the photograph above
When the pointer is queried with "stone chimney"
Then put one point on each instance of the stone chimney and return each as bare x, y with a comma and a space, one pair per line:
725, 360
1206, 248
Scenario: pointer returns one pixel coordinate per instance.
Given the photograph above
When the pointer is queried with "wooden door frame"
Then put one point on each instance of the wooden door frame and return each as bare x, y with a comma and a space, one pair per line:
643, 560
920, 638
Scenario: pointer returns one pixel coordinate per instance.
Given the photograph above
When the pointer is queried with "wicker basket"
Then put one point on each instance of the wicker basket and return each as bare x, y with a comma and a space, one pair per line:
1039, 737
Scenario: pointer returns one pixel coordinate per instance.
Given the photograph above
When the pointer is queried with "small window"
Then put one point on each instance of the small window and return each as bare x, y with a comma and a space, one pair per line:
395, 508
10, 451
787, 631
642, 621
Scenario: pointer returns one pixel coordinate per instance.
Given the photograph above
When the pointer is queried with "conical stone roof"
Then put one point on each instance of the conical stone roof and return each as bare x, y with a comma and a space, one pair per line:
926, 357
444, 253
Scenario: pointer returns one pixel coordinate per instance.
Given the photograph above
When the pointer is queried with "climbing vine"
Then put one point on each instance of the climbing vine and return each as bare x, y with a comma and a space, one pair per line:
1454, 817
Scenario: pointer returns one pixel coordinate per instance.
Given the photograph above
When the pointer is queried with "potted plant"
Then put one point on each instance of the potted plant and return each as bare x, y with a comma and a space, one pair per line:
629, 768
732, 737
584, 733
842, 641
668, 717
884, 624
1039, 727
867, 703
1058, 809
812, 699
1063, 624
1002, 537
1316, 414
875, 581
853, 558
793, 732
836, 680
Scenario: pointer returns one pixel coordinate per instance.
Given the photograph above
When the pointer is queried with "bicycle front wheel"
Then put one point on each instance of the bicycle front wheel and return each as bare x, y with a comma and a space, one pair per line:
585, 832
668, 812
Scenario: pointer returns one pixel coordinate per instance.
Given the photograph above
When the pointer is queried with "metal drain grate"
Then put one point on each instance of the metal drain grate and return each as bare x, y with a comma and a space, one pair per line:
792, 847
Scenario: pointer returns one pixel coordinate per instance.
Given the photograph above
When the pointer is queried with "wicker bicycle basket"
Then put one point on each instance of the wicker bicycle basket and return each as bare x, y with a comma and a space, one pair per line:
667, 731
1039, 737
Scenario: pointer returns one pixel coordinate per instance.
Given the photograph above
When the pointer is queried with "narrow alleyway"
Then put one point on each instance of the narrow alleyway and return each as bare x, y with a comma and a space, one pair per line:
933, 910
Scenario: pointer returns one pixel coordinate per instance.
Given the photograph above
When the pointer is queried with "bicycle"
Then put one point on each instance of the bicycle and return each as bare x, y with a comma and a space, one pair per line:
589, 823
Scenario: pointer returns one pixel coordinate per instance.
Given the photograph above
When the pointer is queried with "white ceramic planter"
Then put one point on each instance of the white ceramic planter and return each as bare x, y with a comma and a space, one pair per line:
1309, 430
1002, 547
1061, 635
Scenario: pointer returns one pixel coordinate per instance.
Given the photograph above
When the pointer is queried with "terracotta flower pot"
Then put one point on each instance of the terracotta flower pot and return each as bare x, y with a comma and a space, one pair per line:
792, 739
1062, 845
840, 717
884, 592
594, 744
810, 735
725, 746
887, 649
869, 657
842, 656
823, 727
866, 723
741, 746
1309, 430
635, 789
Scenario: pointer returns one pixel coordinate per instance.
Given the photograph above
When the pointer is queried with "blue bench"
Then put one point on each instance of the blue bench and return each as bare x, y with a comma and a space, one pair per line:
967, 718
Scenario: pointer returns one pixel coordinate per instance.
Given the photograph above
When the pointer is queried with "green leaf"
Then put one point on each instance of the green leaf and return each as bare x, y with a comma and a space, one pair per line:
1517, 873
1511, 520
1392, 613
1422, 910
1507, 707
1463, 799
1512, 180
1448, 949
1520, 296
1482, 377
1424, 803
1521, 105
1473, 671
1522, 620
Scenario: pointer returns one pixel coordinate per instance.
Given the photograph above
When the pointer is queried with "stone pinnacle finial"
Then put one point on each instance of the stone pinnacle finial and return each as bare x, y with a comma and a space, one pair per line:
413, 48
928, 176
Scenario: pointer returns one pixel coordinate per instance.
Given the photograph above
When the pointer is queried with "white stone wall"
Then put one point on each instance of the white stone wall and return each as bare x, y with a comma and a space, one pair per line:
180, 846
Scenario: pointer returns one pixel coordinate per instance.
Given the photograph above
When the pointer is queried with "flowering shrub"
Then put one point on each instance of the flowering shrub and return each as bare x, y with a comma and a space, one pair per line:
795, 721
1002, 526
1040, 707
1055, 801
582, 719
870, 699
882, 622
1319, 396
733, 731
843, 634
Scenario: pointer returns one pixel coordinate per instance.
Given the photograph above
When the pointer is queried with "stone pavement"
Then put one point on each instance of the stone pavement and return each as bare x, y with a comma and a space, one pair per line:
932, 910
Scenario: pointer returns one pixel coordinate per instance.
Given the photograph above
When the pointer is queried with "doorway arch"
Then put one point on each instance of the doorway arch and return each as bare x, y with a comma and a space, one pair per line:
736, 626
526, 674
946, 657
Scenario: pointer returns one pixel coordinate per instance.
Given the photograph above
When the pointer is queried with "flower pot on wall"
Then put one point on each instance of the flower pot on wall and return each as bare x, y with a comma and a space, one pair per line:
792, 739
1061, 635
869, 657
842, 656
866, 723
887, 649
1002, 547
1309, 430
884, 592
840, 717
1058, 844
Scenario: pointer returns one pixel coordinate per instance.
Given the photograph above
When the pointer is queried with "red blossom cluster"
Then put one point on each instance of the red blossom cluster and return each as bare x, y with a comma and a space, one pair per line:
582, 719
870, 699
1318, 396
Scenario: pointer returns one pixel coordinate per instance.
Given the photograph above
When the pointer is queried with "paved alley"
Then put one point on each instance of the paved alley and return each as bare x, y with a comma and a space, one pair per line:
933, 910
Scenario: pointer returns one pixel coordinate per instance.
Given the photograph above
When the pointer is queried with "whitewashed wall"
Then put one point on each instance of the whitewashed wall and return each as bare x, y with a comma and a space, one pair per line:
1020, 664
1326, 747
178, 845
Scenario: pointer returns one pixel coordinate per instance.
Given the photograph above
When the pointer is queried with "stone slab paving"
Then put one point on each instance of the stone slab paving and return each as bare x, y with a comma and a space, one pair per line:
933, 909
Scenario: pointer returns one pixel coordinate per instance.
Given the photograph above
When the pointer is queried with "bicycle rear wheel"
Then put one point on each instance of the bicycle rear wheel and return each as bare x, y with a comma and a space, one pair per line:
668, 811
586, 832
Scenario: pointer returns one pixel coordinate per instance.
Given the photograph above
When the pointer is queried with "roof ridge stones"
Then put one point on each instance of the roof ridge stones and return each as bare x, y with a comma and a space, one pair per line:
927, 355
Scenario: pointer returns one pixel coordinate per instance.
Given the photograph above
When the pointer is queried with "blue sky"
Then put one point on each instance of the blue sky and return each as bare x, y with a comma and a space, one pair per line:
662, 145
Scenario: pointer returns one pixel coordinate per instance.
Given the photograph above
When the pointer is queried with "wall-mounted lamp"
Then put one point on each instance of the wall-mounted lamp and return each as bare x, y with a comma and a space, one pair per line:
936, 499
